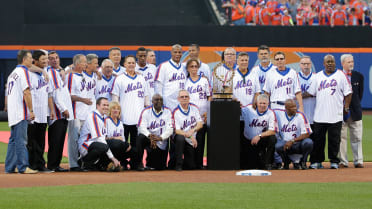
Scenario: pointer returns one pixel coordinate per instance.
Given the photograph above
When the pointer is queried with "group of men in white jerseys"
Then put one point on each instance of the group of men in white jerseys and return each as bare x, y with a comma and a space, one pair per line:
278, 106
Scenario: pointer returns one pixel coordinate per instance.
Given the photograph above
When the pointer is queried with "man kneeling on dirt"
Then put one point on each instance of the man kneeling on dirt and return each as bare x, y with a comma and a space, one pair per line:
293, 143
94, 151
258, 143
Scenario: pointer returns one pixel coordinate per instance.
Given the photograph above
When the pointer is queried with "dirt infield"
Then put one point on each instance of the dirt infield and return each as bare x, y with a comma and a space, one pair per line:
201, 176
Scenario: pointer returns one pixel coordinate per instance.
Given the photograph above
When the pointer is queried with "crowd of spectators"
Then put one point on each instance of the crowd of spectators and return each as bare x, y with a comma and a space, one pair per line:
297, 12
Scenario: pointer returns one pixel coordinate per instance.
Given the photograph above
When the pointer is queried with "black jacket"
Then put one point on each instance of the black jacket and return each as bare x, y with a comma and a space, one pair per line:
357, 83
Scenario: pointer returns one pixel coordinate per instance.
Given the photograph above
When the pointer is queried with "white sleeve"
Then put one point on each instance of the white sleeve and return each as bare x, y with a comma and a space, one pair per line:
273, 123
305, 126
296, 84
257, 85
159, 79
142, 124
25, 80
168, 126
312, 89
116, 86
266, 87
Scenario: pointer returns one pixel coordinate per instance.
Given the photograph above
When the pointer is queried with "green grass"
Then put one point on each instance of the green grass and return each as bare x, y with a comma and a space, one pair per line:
191, 195
367, 141
4, 126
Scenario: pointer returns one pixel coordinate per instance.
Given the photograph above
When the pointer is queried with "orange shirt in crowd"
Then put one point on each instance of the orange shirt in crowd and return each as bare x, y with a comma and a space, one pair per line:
358, 9
286, 19
325, 16
272, 5
353, 20
257, 15
237, 13
249, 13
264, 16
276, 19
301, 19
310, 17
339, 18
332, 2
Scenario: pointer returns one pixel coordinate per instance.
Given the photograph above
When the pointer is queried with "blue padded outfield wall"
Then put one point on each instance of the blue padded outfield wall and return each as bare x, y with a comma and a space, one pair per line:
211, 56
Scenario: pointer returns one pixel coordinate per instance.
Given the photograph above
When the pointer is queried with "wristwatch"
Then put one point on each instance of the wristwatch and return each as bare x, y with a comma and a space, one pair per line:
293, 141
260, 135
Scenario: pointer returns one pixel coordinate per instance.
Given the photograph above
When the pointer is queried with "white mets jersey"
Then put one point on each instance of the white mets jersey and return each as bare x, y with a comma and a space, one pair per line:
159, 124
104, 87
114, 129
186, 120
261, 72
204, 70
18, 81
93, 130
148, 72
199, 92
309, 103
40, 90
76, 86
118, 71
131, 92
245, 87
282, 85
255, 122
172, 78
292, 127
90, 82
329, 91
61, 97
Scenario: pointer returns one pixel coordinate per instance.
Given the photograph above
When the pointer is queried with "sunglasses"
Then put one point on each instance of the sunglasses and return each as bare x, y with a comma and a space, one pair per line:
277, 59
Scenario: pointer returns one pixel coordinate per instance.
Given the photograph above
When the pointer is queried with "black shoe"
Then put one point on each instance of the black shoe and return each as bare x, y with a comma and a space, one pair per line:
178, 168
45, 170
59, 169
78, 169
140, 168
277, 166
303, 166
296, 166
268, 167
286, 166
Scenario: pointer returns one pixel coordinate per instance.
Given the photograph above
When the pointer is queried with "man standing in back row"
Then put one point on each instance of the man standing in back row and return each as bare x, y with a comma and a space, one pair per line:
282, 84
265, 64
333, 92
19, 111
353, 119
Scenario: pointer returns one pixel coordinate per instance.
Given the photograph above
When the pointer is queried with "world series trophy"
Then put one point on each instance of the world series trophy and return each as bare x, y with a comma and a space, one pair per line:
223, 75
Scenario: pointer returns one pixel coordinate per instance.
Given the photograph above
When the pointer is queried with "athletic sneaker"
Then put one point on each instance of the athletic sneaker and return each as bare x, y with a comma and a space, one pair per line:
316, 166
334, 165
29, 171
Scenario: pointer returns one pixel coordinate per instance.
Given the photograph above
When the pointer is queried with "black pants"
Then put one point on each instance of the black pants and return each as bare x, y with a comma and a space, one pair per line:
312, 134
36, 145
133, 131
185, 149
259, 155
56, 140
334, 138
119, 150
96, 157
156, 158
199, 152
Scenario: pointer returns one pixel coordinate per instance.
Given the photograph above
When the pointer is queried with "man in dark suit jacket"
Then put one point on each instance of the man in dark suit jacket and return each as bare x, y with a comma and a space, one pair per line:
353, 118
